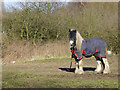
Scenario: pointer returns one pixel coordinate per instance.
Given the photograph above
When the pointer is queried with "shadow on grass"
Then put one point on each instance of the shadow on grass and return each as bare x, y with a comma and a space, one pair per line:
73, 69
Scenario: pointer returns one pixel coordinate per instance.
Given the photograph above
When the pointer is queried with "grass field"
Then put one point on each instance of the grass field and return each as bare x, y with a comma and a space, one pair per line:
43, 73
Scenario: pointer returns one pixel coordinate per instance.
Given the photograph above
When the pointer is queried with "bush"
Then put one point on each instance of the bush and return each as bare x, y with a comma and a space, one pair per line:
51, 21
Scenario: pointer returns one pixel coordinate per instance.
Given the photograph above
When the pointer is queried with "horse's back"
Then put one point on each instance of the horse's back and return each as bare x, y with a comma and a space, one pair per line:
93, 44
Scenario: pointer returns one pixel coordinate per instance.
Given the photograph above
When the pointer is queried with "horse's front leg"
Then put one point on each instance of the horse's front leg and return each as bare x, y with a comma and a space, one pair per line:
79, 67
80, 71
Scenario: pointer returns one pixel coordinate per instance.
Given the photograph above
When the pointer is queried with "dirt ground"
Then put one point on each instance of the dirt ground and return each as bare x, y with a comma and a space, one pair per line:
44, 73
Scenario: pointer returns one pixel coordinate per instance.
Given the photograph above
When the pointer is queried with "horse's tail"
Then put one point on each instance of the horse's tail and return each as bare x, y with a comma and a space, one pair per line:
108, 52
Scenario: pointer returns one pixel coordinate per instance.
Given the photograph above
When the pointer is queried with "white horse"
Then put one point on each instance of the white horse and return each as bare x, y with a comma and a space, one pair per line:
76, 43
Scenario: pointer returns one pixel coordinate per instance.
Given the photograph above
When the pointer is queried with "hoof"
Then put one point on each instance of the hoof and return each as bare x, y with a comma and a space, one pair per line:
76, 71
98, 72
95, 70
79, 72
106, 72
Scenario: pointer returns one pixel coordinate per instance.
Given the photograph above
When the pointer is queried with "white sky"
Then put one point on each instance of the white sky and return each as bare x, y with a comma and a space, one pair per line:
61, 0
8, 3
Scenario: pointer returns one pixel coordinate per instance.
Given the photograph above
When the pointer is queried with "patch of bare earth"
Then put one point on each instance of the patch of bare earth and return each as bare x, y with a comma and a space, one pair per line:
48, 73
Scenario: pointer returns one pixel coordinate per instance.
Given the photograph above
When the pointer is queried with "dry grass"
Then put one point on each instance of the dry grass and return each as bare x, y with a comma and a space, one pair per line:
25, 50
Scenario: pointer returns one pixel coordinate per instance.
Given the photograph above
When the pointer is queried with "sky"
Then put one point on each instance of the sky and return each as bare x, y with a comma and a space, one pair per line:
8, 3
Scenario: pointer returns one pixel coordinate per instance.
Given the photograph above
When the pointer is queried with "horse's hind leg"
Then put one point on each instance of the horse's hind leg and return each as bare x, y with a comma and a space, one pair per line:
99, 68
106, 69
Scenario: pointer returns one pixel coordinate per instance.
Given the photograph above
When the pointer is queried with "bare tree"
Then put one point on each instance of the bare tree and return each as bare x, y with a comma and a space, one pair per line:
3, 7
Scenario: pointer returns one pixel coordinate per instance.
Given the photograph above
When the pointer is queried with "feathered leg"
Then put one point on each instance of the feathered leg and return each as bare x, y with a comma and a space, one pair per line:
106, 69
99, 68
79, 67
80, 71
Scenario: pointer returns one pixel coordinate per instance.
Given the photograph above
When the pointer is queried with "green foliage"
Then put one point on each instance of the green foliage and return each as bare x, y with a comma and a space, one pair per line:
41, 22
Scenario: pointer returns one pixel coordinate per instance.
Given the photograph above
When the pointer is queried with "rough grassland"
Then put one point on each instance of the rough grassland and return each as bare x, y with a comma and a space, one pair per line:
43, 73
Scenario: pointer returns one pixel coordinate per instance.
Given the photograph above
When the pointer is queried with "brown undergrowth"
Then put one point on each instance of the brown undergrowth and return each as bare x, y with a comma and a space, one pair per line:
22, 50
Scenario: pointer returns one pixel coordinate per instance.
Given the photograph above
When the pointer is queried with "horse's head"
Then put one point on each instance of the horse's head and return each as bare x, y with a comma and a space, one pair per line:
72, 37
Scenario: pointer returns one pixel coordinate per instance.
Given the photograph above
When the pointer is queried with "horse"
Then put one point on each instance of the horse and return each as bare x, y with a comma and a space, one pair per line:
80, 48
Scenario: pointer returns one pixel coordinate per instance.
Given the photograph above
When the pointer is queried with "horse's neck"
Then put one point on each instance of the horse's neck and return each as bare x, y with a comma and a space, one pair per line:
78, 41
80, 37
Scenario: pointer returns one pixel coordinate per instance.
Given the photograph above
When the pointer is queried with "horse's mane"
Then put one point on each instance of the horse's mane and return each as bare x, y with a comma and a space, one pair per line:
78, 40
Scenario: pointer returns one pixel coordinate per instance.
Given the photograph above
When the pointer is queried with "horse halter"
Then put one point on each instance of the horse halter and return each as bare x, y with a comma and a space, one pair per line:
73, 47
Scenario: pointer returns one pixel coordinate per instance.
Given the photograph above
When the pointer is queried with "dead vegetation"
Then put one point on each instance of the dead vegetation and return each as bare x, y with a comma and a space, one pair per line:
32, 33
25, 50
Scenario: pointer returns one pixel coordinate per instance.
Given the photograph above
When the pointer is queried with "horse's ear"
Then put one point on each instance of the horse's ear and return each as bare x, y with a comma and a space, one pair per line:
69, 30
75, 30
